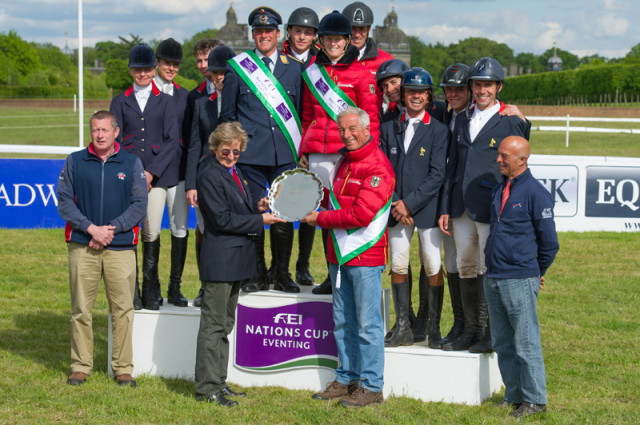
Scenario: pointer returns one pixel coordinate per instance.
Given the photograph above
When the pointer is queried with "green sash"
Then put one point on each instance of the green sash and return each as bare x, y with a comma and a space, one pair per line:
331, 97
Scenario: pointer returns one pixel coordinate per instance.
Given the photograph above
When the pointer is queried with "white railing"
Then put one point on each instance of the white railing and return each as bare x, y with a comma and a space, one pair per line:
568, 129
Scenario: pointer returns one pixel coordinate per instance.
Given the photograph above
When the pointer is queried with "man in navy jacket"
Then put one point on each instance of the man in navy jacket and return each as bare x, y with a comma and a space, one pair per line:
102, 195
521, 246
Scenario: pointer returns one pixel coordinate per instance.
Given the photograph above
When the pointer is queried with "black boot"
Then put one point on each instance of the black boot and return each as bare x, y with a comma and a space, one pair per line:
472, 330
197, 301
484, 345
271, 272
433, 315
150, 255
306, 235
402, 335
325, 287
453, 281
178, 256
259, 281
137, 301
283, 234
419, 327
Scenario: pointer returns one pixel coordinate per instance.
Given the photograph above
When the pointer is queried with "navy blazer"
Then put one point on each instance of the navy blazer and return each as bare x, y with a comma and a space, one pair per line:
151, 135
180, 95
472, 170
205, 120
420, 170
192, 97
267, 144
231, 219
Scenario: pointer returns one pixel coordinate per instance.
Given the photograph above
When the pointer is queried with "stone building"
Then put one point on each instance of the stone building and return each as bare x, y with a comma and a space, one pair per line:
392, 39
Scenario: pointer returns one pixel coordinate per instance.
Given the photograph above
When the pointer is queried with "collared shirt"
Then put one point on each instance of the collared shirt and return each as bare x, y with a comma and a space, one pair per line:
480, 118
411, 129
452, 124
273, 57
142, 95
361, 54
163, 85
211, 87
302, 57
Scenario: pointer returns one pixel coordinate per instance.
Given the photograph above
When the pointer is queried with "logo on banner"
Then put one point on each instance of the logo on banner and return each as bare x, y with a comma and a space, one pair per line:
613, 192
562, 182
286, 337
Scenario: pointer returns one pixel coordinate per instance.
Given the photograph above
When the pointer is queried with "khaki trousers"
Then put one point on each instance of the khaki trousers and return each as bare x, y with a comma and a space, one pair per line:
118, 269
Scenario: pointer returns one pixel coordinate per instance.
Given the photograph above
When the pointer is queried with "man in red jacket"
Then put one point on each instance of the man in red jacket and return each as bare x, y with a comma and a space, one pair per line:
359, 203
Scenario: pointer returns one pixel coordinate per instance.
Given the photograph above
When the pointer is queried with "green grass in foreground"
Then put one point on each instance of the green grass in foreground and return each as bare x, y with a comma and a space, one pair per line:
590, 327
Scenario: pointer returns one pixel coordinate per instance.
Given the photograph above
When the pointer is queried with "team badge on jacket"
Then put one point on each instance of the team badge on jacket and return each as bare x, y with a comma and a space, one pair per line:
492, 143
122, 175
375, 181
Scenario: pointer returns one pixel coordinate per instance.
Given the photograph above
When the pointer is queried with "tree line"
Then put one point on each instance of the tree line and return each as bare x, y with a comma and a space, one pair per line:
43, 70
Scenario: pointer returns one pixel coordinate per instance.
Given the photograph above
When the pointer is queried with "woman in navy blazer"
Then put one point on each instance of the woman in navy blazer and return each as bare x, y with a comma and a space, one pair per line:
228, 258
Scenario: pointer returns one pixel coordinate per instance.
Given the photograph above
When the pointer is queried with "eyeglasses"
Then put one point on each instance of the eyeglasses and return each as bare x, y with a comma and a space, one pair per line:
226, 152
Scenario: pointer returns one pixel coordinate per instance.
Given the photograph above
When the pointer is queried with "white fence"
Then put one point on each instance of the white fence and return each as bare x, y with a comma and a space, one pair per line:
567, 128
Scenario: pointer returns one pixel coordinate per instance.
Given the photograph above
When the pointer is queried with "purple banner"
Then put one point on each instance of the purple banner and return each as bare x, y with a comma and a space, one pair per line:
285, 337
248, 65
322, 86
284, 111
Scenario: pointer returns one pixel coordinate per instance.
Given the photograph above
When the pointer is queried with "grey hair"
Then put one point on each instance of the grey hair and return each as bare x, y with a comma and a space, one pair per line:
103, 115
227, 133
363, 117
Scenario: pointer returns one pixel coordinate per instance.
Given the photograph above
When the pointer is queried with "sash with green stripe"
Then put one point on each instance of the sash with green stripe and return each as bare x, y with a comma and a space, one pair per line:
349, 243
326, 91
271, 94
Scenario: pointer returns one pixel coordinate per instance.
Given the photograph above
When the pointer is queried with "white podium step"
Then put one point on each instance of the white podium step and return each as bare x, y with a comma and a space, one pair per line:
164, 344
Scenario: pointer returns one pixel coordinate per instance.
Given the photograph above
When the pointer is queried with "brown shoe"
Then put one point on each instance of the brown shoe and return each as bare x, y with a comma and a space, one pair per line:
126, 380
362, 397
77, 378
335, 390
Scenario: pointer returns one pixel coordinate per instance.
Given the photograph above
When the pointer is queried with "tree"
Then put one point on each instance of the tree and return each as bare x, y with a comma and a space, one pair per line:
117, 75
188, 68
634, 55
471, 49
20, 57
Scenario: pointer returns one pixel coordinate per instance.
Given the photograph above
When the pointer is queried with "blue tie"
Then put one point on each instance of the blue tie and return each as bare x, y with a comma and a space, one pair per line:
267, 61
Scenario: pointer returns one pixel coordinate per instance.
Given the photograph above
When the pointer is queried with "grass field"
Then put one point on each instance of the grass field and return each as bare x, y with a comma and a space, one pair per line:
588, 309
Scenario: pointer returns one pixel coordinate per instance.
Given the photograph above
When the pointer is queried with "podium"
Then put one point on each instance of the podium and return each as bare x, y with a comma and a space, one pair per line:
295, 352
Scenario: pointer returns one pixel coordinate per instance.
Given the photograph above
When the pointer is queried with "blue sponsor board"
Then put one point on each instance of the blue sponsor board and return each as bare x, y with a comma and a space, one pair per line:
613, 192
28, 194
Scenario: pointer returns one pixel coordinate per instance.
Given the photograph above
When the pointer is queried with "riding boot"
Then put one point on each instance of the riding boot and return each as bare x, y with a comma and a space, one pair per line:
259, 281
420, 325
283, 234
402, 335
453, 281
178, 257
137, 301
271, 271
469, 294
434, 310
484, 345
306, 235
150, 255
325, 287
197, 301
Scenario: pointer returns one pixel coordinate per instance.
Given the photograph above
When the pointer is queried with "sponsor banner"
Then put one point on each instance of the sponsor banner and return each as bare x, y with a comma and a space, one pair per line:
292, 336
28, 194
591, 193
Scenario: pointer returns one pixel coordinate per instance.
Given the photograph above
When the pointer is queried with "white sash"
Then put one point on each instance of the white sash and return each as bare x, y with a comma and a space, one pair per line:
331, 97
271, 94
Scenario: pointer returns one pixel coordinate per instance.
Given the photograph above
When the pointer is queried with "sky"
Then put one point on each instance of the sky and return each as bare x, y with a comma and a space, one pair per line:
583, 27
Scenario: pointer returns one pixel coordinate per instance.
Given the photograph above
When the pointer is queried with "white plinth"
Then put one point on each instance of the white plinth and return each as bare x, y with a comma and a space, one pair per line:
164, 344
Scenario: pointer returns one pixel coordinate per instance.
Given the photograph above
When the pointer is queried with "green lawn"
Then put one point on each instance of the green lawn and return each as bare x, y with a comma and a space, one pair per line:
590, 327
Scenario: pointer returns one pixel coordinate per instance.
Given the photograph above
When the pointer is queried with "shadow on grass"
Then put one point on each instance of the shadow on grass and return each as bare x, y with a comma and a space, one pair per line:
43, 337
183, 387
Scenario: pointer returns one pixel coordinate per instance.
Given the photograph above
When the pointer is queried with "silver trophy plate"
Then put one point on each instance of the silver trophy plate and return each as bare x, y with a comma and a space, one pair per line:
294, 194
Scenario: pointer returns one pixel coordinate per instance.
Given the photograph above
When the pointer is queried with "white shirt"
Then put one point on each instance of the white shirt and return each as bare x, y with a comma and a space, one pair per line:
211, 87
301, 57
361, 54
480, 118
411, 130
273, 57
163, 85
142, 95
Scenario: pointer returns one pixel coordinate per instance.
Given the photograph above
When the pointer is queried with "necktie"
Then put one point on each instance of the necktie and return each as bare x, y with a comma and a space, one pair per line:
505, 195
237, 179
267, 61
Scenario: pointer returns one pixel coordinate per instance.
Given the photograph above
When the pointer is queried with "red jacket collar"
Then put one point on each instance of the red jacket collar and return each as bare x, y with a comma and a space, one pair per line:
363, 152
154, 89
92, 151
202, 87
214, 95
425, 119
